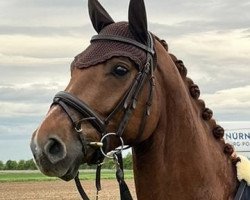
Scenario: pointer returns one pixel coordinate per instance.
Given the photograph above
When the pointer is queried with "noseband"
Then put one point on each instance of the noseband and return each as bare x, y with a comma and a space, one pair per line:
128, 103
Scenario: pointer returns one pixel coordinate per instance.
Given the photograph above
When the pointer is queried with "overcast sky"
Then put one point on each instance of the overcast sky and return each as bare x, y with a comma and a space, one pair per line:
39, 38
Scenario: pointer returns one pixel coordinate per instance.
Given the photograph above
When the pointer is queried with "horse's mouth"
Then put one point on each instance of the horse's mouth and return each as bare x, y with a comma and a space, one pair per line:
70, 174
74, 168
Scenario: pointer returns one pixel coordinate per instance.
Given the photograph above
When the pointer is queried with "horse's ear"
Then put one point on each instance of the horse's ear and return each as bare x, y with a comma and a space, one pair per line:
138, 20
98, 15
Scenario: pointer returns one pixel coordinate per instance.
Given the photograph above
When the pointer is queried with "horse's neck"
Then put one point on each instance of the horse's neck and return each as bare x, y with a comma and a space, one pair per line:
181, 159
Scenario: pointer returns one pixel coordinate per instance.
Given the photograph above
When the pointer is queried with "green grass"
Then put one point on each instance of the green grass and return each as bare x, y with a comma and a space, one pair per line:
25, 176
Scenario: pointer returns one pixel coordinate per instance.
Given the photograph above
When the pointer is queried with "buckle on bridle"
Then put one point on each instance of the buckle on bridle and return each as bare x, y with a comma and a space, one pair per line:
78, 124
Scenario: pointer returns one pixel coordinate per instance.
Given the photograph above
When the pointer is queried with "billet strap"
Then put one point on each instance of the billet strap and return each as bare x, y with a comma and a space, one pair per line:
97, 181
124, 190
240, 191
80, 188
98, 177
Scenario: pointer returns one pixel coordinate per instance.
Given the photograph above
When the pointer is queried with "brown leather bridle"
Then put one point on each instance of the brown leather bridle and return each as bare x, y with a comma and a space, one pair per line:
128, 103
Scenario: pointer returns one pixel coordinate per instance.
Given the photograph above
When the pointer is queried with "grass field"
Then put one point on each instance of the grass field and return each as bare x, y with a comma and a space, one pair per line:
27, 176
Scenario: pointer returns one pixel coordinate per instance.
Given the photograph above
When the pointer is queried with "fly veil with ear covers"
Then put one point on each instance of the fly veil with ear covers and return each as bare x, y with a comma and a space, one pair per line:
131, 40
102, 50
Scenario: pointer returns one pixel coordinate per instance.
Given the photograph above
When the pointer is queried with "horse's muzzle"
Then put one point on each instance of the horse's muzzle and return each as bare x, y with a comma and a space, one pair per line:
54, 150
55, 158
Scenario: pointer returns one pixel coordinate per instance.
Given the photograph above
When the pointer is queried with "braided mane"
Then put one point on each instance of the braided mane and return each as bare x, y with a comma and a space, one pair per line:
205, 113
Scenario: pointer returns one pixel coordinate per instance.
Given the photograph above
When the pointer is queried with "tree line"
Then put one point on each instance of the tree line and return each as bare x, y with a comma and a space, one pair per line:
30, 164
18, 165
110, 164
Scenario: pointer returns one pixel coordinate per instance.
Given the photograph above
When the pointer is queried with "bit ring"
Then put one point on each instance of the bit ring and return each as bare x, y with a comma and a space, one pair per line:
111, 153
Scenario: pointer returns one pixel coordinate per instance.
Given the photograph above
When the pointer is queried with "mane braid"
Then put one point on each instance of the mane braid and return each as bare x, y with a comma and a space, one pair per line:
206, 113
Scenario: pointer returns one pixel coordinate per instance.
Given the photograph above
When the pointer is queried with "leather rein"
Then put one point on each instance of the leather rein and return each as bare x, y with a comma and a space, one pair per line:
128, 103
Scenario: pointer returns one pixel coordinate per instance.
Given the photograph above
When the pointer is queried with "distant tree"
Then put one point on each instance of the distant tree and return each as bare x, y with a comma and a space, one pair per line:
21, 165
108, 164
86, 166
30, 164
1, 165
10, 165
128, 161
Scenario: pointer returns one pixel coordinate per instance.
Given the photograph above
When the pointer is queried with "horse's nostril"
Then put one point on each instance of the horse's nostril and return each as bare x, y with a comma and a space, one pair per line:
55, 150
55, 147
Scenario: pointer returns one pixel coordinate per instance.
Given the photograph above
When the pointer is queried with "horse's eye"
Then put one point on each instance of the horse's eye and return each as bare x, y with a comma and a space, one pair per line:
120, 70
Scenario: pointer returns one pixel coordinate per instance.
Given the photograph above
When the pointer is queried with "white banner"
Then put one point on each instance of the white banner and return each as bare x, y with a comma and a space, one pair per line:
237, 133
239, 138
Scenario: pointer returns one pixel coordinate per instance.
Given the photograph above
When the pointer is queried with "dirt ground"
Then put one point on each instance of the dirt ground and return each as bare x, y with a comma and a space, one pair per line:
55, 190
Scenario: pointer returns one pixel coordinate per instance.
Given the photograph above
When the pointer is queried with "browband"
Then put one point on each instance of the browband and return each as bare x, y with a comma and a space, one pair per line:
148, 49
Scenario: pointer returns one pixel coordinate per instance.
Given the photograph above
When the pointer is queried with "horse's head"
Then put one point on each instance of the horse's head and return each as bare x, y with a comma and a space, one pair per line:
110, 91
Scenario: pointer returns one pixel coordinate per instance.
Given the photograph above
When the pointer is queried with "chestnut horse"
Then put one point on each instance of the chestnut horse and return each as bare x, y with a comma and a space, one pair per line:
178, 149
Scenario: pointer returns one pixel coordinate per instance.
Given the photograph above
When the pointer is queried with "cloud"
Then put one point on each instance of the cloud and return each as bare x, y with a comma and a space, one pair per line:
40, 93
39, 31
238, 98
49, 4
22, 109
26, 59
215, 60
232, 104
10, 109
232, 125
17, 131
43, 13
23, 106
172, 12
41, 47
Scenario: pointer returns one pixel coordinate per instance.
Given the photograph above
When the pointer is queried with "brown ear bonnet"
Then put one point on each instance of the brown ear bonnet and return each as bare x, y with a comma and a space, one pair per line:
101, 50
